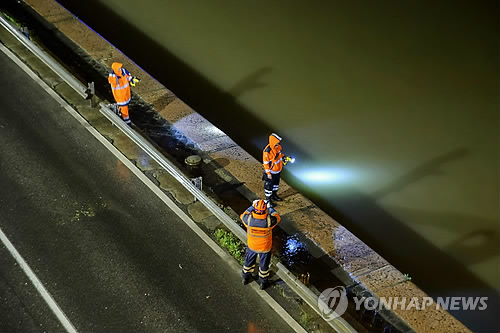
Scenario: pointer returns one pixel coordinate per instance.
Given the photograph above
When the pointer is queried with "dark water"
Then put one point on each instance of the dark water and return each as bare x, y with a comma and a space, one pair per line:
391, 109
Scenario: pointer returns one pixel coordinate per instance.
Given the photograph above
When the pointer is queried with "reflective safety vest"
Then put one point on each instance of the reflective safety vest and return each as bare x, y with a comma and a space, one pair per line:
272, 157
260, 229
119, 80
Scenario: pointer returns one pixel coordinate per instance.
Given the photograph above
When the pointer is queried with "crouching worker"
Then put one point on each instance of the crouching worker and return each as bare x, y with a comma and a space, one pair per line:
259, 221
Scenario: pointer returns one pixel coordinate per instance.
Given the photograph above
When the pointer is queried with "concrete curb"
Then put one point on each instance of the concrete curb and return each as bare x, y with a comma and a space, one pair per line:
357, 261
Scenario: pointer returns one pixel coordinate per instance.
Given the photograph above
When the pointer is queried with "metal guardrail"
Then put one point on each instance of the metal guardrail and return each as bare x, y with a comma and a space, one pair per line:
174, 171
46, 59
338, 324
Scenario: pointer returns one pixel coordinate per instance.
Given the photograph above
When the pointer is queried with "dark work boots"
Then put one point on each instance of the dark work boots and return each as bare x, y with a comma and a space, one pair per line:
275, 197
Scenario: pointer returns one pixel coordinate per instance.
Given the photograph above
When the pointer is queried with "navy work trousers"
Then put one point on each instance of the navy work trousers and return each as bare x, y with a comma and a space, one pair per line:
271, 185
249, 264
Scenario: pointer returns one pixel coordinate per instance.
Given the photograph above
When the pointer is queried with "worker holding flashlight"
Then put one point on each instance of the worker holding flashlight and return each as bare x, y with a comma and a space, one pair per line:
121, 80
273, 161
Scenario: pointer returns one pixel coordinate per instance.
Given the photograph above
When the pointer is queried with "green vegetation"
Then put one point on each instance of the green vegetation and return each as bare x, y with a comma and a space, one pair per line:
305, 319
229, 241
282, 292
10, 18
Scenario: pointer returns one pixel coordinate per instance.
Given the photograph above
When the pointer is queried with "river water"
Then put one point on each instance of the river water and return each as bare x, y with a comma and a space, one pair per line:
391, 109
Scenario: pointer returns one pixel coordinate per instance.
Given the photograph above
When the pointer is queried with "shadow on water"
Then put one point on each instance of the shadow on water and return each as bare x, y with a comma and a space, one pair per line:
431, 269
251, 82
429, 168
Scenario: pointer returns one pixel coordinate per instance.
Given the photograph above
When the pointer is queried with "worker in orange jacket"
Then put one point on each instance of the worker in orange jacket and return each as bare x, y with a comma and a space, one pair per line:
120, 80
272, 161
259, 221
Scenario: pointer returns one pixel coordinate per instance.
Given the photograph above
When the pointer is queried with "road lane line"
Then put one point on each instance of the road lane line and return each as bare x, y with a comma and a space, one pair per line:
38, 285
22, 263
159, 193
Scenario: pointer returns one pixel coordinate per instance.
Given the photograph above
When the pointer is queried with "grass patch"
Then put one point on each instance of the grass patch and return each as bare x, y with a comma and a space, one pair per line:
229, 241
10, 18
305, 319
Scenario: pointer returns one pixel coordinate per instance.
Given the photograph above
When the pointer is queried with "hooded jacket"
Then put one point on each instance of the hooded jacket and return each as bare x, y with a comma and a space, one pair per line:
272, 158
119, 80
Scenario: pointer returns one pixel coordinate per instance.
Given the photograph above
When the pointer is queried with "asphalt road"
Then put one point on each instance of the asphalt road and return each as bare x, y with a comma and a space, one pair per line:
113, 256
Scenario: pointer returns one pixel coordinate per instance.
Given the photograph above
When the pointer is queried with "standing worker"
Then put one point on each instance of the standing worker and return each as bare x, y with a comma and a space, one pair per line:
273, 160
259, 221
120, 80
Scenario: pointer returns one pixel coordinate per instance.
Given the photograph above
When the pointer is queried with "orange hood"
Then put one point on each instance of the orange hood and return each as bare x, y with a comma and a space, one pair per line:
116, 66
274, 139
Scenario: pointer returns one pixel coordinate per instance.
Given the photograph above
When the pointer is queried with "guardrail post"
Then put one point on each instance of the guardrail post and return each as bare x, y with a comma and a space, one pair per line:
91, 94
198, 182
25, 32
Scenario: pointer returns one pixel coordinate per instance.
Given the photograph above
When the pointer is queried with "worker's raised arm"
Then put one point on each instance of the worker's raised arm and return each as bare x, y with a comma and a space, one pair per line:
275, 217
246, 214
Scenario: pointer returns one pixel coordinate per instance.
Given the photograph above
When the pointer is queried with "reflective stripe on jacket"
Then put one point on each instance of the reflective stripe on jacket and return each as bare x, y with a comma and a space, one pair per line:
272, 157
260, 229
119, 80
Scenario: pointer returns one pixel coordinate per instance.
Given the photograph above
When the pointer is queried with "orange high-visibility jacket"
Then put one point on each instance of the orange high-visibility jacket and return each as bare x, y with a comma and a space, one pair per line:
260, 229
272, 158
119, 80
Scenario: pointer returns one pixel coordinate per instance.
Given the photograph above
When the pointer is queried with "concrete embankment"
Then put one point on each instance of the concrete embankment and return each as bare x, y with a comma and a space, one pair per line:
352, 260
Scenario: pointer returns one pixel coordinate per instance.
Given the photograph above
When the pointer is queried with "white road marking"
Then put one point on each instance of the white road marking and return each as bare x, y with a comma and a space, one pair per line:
162, 196
22, 263
38, 284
